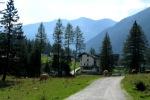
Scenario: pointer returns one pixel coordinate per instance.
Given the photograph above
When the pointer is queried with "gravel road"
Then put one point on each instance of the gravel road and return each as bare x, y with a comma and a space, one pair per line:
102, 89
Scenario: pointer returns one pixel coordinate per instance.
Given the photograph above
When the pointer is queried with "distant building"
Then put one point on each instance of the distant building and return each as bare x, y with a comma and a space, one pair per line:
89, 63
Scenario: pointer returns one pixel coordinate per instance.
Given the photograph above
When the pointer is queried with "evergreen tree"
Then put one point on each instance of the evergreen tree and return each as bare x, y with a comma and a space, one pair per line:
35, 58
79, 40
39, 48
48, 49
79, 43
30, 50
1, 44
2, 51
20, 48
148, 57
134, 49
41, 38
58, 33
47, 67
9, 23
106, 54
69, 35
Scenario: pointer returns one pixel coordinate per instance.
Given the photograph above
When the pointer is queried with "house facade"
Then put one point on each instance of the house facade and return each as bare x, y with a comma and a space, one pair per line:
89, 63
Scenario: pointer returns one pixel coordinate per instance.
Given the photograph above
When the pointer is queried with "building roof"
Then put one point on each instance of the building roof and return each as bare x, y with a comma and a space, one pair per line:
94, 56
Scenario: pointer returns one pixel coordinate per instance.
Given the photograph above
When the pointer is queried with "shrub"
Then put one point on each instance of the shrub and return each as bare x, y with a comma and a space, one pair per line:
140, 86
43, 97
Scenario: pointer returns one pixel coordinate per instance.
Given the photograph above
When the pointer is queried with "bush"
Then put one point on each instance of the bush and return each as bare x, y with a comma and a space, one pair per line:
140, 86
43, 97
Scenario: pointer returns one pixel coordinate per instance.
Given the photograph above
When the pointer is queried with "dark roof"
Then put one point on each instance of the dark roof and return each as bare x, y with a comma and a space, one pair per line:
84, 53
94, 56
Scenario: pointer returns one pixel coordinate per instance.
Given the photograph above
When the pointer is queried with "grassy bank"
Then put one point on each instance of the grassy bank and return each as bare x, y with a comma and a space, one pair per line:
131, 82
52, 89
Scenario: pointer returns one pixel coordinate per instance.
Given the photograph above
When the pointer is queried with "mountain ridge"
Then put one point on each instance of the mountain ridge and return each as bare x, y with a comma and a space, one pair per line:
87, 26
118, 33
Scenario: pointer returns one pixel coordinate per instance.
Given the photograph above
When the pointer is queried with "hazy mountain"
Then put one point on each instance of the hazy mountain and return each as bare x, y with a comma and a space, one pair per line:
89, 27
119, 32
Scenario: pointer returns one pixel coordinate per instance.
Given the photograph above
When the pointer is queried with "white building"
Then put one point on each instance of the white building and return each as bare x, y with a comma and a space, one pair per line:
89, 62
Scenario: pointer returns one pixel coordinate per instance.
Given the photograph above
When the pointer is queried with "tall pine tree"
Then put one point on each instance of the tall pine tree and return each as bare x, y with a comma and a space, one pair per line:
69, 36
20, 47
32, 59
57, 35
106, 55
35, 60
41, 38
38, 49
1, 43
134, 49
79, 43
148, 58
79, 40
10, 25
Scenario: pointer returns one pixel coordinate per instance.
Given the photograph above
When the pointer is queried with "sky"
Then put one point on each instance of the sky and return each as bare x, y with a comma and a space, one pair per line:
32, 11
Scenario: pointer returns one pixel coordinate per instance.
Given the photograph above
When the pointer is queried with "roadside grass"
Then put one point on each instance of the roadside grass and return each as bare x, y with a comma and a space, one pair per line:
129, 84
52, 89
120, 70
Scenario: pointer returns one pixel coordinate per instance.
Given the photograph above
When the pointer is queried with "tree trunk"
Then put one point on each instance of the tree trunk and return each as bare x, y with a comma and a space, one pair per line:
4, 75
75, 61
6, 67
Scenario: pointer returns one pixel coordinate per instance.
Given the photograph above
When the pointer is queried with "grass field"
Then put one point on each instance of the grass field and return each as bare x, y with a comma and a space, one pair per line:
120, 70
52, 89
129, 84
45, 59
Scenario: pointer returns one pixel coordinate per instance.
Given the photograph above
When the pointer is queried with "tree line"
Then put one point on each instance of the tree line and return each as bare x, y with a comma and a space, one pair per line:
135, 56
22, 57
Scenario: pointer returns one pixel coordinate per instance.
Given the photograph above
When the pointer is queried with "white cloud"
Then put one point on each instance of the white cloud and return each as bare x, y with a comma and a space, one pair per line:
45, 10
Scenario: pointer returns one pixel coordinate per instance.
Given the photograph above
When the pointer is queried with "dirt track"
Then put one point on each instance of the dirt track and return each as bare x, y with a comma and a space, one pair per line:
102, 89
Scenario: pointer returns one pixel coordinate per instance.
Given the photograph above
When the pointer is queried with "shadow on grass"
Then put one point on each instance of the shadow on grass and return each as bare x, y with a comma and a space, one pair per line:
6, 84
